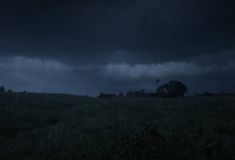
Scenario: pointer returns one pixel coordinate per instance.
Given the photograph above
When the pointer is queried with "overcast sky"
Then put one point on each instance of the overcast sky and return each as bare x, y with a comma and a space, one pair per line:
88, 46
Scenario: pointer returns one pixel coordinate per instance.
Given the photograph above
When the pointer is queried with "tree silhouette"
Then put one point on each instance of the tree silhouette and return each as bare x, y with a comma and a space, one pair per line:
121, 94
104, 95
2, 90
172, 89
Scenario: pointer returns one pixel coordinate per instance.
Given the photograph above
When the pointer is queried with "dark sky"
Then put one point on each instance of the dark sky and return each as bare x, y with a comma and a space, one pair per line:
88, 46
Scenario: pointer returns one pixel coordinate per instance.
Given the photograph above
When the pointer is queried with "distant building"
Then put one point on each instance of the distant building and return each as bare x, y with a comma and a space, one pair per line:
106, 96
140, 93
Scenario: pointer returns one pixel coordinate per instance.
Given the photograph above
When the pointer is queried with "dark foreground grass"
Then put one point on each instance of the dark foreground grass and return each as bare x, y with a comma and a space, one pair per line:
79, 128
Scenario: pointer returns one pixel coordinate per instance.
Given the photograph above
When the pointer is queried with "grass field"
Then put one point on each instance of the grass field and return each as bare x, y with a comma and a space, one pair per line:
64, 127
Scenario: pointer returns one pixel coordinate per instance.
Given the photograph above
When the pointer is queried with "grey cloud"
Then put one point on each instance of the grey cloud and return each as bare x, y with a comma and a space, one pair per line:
50, 75
198, 77
23, 64
32, 73
160, 70
91, 45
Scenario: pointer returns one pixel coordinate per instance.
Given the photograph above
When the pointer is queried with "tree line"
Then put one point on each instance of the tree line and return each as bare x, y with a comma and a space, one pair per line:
173, 88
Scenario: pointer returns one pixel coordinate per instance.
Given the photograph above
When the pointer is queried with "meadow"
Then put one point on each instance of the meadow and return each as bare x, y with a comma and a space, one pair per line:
66, 127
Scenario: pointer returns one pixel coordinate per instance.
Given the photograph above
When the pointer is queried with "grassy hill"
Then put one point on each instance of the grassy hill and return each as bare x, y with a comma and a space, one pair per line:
59, 127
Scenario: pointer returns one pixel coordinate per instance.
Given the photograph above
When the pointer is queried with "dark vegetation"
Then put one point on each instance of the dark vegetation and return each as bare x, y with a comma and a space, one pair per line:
172, 89
59, 126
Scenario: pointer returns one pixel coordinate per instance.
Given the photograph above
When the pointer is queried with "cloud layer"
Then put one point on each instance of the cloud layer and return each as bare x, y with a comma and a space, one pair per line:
34, 65
50, 75
32, 73
160, 70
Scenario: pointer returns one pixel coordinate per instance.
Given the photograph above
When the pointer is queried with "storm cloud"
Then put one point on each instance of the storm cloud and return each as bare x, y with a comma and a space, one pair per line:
90, 26
165, 70
36, 74
88, 46
51, 75
160, 70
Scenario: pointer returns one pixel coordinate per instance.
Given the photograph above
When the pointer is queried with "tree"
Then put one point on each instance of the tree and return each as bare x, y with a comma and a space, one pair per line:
172, 89
163, 91
121, 94
130, 93
2, 90
9, 91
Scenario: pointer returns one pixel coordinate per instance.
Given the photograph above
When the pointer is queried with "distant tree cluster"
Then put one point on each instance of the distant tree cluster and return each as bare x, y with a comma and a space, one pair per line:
105, 95
7, 94
2, 90
173, 88
10, 95
208, 94
140, 93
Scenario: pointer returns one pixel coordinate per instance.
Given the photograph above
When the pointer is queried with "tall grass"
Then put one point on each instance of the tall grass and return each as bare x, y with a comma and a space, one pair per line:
195, 128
